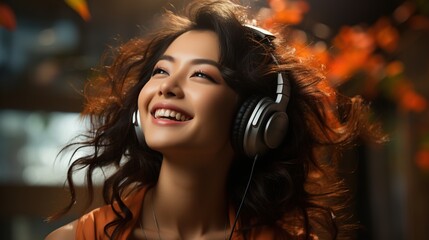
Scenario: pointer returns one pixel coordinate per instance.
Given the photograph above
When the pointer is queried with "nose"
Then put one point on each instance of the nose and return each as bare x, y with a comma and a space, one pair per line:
171, 87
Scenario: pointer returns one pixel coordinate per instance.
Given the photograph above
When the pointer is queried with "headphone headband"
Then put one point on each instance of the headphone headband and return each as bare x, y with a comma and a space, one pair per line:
283, 87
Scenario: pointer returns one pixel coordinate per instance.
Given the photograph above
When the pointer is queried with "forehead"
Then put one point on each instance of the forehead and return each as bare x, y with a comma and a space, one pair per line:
195, 44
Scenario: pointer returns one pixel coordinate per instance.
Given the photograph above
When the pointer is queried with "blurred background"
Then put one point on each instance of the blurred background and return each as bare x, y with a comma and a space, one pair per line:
376, 49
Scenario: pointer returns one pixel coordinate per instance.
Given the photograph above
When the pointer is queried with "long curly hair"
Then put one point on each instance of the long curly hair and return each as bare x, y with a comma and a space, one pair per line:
295, 189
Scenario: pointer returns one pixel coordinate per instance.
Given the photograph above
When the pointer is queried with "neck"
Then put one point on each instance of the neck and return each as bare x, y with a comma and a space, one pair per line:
189, 201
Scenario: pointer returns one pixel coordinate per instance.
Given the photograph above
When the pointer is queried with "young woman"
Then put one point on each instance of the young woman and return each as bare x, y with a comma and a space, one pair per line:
216, 130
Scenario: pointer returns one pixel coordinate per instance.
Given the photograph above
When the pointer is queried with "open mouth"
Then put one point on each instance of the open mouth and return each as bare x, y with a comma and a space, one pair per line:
169, 114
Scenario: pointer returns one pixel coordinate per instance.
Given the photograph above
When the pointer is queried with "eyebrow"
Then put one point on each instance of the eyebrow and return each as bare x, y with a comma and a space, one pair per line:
195, 61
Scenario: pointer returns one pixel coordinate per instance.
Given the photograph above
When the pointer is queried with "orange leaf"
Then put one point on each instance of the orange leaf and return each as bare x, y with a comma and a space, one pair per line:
286, 12
408, 98
289, 16
81, 7
277, 5
7, 17
412, 101
422, 159
347, 63
386, 35
394, 68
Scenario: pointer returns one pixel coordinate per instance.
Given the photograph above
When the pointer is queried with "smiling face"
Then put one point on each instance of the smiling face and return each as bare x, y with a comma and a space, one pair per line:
186, 106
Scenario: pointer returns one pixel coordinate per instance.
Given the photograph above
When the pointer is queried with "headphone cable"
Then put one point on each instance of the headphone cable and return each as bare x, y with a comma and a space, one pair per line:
244, 197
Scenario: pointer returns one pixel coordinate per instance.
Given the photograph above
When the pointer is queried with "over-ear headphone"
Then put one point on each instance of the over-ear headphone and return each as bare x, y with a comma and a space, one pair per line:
261, 123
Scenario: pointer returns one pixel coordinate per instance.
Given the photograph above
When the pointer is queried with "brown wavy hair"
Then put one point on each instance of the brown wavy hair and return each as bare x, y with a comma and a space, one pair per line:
295, 189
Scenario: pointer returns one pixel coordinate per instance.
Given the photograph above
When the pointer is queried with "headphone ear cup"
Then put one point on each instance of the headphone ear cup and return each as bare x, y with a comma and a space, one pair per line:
241, 120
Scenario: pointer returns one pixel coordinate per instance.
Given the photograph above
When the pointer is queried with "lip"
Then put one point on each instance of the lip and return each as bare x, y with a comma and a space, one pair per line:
170, 107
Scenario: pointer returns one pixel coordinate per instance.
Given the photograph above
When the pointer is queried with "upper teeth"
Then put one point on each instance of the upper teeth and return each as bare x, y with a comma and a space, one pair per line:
170, 113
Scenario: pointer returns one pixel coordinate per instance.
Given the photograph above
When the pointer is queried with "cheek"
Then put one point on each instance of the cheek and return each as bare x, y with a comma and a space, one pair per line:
145, 95
140, 101
221, 112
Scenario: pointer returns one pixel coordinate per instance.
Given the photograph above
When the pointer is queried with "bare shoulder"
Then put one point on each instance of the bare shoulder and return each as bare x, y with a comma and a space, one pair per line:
66, 232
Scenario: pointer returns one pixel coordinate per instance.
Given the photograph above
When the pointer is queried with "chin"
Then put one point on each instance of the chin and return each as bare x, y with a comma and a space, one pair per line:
163, 146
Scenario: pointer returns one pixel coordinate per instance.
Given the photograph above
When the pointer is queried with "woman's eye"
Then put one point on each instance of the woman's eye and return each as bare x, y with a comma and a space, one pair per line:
159, 71
201, 74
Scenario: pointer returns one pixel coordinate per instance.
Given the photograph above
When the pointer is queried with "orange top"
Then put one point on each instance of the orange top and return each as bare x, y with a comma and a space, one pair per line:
91, 225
